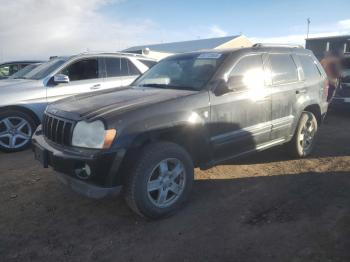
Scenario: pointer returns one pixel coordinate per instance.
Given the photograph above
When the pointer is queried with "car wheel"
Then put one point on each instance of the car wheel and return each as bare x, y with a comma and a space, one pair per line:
305, 136
16, 129
160, 180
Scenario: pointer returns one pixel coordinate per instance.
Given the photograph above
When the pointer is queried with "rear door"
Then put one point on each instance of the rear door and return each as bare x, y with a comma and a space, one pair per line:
285, 87
241, 118
84, 75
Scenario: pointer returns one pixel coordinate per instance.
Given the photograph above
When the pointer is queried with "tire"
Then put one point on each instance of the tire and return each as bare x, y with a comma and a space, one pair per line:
160, 168
16, 130
305, 136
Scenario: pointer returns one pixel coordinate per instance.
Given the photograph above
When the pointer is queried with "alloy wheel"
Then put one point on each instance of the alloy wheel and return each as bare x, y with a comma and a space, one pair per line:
166, 182
15, 132
307, 135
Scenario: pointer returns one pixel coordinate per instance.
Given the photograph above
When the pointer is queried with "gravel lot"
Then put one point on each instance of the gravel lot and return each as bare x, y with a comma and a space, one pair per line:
265, 208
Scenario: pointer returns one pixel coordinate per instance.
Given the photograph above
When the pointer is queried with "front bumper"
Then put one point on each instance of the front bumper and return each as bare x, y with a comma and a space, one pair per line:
104, 178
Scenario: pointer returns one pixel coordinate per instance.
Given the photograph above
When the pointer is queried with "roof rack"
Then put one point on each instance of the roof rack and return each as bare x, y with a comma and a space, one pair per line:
257, 45
111, 53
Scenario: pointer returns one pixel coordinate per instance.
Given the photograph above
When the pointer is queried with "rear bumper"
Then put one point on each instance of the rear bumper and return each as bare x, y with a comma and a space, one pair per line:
340, 103
103, 166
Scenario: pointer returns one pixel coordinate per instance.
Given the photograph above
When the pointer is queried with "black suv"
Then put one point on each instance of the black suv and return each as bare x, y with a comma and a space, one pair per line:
190, 110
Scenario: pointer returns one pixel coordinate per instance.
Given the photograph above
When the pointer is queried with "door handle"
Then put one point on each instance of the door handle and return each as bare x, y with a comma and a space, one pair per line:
94, 87
300, 91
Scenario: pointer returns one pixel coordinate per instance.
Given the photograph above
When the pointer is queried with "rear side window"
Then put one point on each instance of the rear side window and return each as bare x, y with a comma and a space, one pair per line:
148, 63
309, 67
120, 67
283, 69
248, 73
82, 70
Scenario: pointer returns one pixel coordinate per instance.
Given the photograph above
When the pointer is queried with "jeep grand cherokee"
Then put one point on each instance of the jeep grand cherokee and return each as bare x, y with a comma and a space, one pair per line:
190, 110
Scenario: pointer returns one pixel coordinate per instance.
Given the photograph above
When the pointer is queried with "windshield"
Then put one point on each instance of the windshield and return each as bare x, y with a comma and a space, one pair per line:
44, 69
191, 71
23, 71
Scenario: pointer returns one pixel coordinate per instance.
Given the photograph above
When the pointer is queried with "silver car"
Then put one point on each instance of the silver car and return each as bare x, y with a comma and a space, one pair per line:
24, 100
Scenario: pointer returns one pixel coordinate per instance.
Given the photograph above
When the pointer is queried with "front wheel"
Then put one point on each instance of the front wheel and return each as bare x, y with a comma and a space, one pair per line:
16, 129
304, 137
160, 180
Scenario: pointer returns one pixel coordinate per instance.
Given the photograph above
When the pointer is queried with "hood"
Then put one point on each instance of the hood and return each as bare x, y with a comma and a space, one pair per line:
113, 101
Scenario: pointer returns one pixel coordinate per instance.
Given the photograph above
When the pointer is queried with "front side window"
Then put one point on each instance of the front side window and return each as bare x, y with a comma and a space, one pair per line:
283, 69
189, 71
248, 73
309, 67
82, 70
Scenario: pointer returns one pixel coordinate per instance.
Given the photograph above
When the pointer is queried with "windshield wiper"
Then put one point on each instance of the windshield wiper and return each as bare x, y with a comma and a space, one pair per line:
155, 85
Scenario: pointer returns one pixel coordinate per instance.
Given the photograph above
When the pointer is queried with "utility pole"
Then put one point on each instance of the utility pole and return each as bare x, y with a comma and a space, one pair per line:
308, 27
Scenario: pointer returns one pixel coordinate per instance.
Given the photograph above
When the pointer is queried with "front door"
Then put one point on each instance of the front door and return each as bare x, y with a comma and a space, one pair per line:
241, 118
84, 76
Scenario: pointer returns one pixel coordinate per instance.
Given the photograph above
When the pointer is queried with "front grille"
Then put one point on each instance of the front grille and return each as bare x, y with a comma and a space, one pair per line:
58, 130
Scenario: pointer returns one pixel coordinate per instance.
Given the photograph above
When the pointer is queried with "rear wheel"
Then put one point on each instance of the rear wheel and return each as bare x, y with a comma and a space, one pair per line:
160, 180
305, 136
16, 129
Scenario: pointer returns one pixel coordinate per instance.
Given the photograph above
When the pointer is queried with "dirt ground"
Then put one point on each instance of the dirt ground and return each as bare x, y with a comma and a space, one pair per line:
264, 208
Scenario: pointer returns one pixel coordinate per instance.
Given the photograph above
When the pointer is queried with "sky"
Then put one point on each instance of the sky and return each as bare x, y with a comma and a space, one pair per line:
37, 29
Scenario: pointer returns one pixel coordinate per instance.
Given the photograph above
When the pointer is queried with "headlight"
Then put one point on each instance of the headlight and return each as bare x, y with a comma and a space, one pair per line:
92, 135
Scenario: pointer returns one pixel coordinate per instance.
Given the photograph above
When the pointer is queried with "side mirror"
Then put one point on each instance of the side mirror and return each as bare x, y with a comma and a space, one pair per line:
235, 83
222, 88
61, 78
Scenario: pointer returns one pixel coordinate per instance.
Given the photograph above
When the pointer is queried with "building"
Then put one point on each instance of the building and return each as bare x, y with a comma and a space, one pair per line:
335, 44
159, 51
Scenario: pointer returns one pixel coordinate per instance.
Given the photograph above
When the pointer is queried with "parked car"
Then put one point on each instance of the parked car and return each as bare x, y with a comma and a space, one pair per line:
9, 68
341, 99
25, 70
24, 100
190, 110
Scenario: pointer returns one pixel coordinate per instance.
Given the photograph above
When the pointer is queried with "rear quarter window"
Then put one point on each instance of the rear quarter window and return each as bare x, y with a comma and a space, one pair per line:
309, 67
148, 63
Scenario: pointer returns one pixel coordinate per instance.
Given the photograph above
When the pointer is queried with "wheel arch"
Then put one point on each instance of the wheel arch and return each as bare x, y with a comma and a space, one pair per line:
192, 138
23, 109
316, 110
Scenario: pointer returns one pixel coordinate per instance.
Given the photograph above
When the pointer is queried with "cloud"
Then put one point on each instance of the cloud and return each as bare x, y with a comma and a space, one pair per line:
216, 31
344, 24
41, 28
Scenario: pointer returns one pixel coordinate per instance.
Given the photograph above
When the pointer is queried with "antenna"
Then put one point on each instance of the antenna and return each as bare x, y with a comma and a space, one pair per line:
308, 27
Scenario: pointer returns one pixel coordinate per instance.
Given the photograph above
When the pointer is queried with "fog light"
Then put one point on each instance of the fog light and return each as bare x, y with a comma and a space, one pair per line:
83, 172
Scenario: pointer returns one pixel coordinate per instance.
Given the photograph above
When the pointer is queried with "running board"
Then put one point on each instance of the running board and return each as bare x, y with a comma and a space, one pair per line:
256, 150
